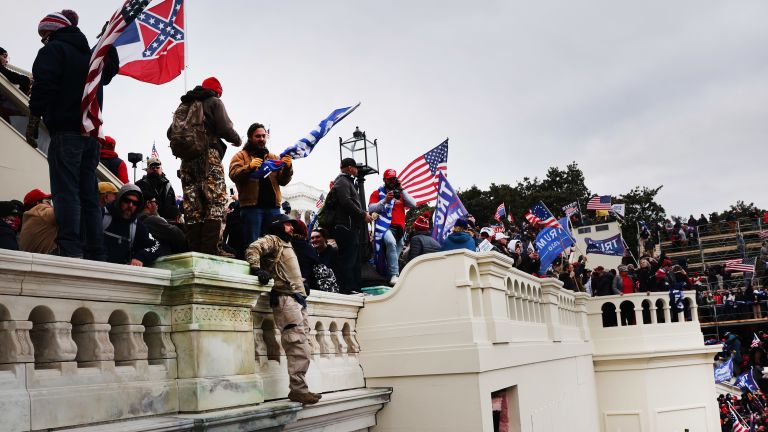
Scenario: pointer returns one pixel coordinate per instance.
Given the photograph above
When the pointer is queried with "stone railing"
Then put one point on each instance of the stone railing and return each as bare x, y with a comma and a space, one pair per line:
84, 342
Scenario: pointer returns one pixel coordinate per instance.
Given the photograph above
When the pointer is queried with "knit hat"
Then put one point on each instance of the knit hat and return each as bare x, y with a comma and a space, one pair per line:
107, 187
421, 223
213, 84
53, 21
33, 197
108, 143
461, 223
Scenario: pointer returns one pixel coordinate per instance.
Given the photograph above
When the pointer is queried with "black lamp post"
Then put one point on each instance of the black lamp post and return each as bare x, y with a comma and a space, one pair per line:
366, 153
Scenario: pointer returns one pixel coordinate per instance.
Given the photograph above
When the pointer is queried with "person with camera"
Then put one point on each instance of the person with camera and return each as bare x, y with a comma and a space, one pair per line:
390, 202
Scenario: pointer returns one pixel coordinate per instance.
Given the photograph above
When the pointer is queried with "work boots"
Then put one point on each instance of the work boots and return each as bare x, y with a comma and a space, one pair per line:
193, 236
210, 236
308, 398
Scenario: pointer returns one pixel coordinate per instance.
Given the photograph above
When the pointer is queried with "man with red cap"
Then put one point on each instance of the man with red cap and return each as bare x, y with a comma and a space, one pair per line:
59, 71
38, 228
390, 202
109, 159
202, 179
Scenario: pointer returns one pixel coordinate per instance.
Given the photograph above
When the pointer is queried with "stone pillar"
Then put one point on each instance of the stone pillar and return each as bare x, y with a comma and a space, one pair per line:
53, 342
159, 343
212, 330
582, 319
15, 343
652, 308
93, 342
549, 297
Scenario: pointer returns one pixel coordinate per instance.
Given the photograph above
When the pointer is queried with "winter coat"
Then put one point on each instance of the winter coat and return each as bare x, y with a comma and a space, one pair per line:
458, 240
161, 188
308, 258
622, 284
118, 245
18, 79
329, 256
248, 188
171, 238
39, 230
60, 70
278, 258
345, 203
7, 237
114, 164
645, 279
604, 285
217, 122
529, 265
421, 243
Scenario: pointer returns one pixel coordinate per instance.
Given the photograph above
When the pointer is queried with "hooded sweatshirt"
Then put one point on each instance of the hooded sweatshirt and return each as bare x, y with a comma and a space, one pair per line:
119, 246
39, 230
114, 164
458, 240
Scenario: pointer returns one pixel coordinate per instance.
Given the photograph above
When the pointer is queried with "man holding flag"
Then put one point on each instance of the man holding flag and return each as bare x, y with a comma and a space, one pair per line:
260, 198
60, 72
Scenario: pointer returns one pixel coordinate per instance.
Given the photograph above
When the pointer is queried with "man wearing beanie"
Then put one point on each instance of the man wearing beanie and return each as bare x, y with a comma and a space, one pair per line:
109, 158
59, 73
259, 198
202, 179
459, 239
421, 239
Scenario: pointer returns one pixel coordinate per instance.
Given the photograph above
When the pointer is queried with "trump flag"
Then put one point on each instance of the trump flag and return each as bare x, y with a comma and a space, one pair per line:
448, 209
551, 242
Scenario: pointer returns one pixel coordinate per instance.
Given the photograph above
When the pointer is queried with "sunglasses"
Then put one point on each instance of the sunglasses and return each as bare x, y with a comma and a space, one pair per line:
134, 203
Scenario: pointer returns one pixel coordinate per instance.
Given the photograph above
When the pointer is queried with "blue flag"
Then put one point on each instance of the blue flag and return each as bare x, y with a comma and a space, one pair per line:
448, 209
304, 146
610, 246
747, 381
551, 242
724, 372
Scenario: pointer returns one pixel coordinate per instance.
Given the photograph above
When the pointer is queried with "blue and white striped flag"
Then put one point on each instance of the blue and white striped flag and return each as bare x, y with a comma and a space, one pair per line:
380, 228
304, 146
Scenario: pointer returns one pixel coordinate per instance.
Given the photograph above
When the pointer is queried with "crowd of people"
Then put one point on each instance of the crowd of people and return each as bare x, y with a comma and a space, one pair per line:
748, 406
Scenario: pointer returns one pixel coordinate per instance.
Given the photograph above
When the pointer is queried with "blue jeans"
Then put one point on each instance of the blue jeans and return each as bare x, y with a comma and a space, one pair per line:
72, 163
255, 222
393, 249
348, 263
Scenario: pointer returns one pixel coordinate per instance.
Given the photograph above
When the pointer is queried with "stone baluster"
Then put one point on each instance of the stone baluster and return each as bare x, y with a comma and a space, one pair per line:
15, 343
352, 345
314, 345
93, 342
129, 342
159, 343
260, 346
667, 314
652, 308
53, 342
339, 344
324, 343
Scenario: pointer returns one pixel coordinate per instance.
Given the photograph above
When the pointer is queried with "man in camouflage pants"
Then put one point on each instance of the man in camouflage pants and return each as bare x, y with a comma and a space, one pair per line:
273, 257
202, 179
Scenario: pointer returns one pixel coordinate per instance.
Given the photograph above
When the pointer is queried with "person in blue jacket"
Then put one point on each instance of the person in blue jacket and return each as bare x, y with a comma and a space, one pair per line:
459, 238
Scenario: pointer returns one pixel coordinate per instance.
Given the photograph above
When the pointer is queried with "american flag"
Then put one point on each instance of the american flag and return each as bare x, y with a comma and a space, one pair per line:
755, 341
419, 178
740, 265
539, 215
738, 423
500, 212
154, 153
763, 235
599, 203
89, 106
320, 201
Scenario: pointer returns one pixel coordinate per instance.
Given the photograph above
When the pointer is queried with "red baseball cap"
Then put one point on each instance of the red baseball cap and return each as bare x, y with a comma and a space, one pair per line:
34, 196
390, 173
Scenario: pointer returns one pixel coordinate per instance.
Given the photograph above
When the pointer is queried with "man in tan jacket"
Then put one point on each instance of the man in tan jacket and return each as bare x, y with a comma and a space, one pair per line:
273, 257
259, 198
38, 229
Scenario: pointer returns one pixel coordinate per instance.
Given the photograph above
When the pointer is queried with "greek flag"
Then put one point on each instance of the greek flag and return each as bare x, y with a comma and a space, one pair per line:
304, 146
380, 228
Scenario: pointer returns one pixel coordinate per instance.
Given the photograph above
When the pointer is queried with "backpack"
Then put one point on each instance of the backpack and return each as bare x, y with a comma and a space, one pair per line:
327, 213
187, 134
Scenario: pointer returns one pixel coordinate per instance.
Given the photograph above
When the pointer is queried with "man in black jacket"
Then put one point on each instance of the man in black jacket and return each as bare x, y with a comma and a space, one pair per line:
20, 80
127, 240
157, 184
171, 238
421, 239
59, 73
347, 221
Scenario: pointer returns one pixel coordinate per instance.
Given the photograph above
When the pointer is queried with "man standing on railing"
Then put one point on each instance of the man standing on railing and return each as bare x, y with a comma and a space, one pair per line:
273, 257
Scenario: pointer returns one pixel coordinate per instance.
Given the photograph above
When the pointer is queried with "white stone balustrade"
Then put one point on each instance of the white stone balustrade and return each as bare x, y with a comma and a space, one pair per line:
193, 335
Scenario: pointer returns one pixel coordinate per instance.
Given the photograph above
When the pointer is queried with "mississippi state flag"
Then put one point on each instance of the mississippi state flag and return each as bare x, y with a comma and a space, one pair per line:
151, 49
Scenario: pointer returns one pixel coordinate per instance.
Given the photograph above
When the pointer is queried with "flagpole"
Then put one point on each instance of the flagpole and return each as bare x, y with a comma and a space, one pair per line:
581, 215
186, 45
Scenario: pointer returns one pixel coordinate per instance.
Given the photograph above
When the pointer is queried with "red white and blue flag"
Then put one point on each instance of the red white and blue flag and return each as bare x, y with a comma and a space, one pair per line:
500, 212
117, 24
320, 201
154, 153
151, 49
419, 178
599, 203
740, 265
540, 215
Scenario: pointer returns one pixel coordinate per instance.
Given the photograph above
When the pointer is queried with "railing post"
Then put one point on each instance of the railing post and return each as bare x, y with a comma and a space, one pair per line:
653, 309
582, 320
549, 299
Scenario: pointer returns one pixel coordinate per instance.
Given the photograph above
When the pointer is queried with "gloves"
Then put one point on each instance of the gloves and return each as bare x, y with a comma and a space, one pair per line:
300, 299
288, 161
32, 126
261, 274
256, 163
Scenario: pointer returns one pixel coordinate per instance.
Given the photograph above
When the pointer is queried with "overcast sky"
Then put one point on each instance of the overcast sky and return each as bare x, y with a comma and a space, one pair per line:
638, 93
